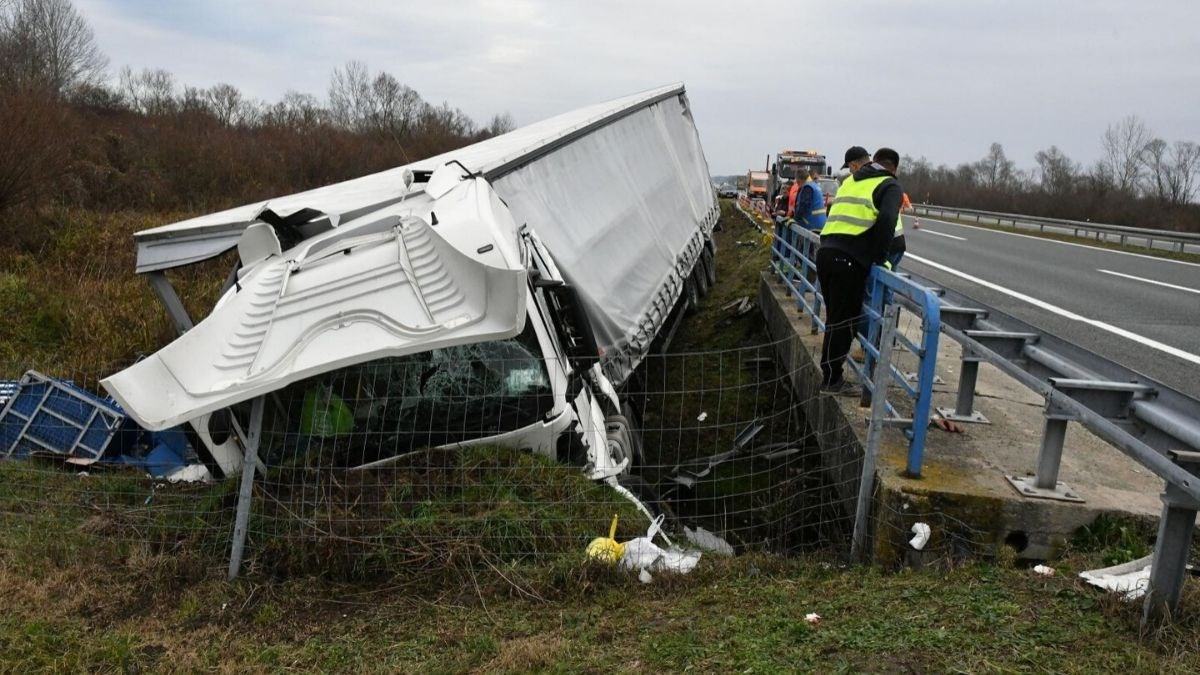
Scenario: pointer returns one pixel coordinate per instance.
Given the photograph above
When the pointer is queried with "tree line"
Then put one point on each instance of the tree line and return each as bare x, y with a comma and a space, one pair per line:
1140, 180
71, 135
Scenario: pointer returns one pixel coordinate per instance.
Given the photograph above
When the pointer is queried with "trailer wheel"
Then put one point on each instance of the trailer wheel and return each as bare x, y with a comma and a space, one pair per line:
700, 278
691, 295
710, 266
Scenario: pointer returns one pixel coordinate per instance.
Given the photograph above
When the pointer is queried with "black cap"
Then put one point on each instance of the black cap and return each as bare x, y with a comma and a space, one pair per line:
856, 152
888, 155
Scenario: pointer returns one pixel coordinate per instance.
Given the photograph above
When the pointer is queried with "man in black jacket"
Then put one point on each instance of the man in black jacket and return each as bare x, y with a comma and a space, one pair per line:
857, 234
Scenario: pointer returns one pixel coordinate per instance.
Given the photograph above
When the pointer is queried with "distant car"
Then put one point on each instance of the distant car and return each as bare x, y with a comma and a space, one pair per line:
727, 191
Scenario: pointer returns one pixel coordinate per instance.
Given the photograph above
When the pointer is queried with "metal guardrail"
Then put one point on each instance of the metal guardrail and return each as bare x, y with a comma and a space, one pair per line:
1183, 242
1153, 424
793, 257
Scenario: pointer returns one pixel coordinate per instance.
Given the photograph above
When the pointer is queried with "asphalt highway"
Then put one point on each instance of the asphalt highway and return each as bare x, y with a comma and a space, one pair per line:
1140, 311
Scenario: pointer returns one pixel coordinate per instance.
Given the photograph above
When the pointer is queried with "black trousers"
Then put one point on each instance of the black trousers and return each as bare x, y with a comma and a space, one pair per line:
843, 282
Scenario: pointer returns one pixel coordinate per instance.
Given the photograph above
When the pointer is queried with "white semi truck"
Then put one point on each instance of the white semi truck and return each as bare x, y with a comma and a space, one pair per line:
501, 293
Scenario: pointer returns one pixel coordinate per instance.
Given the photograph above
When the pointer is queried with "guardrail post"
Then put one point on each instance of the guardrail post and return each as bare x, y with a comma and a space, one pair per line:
964, 403
1173, 547
1045, 484
879, 383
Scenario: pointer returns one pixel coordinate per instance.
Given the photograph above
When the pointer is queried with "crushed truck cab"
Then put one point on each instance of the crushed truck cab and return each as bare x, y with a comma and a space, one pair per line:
500, 293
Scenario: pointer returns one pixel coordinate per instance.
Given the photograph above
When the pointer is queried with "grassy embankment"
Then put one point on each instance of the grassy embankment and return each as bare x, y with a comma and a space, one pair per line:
110, 573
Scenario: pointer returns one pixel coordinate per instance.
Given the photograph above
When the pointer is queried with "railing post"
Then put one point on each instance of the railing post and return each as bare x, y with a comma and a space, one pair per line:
866, 483
1045, 484
964, 403
1172, 548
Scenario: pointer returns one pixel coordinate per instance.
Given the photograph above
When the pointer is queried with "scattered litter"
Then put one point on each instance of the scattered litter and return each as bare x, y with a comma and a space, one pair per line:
702, 538
701, 417
946, 425
730, 305
644, 576
813, 618
644, 555
1130, 579
606, 549
1043, 570
921, 534
192, 473
746, 244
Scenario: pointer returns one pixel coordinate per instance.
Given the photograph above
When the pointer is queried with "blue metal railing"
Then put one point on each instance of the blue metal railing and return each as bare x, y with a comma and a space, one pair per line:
793, 258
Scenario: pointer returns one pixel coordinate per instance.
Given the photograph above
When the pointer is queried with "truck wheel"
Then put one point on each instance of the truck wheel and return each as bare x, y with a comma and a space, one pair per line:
691, 295
710, 266
700, 278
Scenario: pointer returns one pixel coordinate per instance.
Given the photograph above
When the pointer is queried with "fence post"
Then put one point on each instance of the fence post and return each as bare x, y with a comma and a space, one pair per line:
245, 492
879, 382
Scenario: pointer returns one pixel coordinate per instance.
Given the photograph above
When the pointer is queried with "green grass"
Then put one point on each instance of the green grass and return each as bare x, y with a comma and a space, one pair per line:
745, 614
1111, 245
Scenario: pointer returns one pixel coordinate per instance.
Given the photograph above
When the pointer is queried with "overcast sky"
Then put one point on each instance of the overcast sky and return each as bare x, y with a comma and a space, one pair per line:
940, 79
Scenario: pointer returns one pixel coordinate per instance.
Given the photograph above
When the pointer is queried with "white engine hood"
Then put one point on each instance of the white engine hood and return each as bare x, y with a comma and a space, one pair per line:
389, 284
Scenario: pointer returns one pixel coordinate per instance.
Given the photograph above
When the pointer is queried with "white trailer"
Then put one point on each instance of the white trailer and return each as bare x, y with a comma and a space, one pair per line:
557, 252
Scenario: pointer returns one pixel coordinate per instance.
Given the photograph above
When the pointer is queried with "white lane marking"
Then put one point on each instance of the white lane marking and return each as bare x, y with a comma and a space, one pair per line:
1141, 339
1067, 243
941, 234
1151, 281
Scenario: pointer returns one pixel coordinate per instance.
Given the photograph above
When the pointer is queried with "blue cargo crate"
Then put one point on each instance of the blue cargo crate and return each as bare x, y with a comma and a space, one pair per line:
49, 415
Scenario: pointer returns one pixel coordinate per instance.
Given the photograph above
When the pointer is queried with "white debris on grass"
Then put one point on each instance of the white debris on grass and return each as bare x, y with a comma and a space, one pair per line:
192, 473
702, 416
1043, 570
1129, 580
813, 618
921, 533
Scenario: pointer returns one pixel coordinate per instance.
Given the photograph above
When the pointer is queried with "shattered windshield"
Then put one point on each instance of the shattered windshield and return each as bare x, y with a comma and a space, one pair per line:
389, 406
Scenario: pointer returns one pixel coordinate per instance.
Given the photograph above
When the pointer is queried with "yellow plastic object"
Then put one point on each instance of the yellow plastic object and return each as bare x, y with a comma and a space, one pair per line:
606, 549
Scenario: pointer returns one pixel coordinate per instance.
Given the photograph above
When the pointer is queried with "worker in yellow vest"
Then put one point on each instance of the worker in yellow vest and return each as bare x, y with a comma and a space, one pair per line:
857, 234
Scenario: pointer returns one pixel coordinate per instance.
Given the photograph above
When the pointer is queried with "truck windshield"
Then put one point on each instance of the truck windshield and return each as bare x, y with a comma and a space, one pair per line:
390, 406
788, 170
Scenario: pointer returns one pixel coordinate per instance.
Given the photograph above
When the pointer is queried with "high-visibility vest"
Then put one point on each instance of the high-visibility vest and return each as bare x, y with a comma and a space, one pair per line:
853, 211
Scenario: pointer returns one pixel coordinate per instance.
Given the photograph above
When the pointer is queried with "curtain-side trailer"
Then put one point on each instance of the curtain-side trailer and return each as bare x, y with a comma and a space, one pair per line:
520, 280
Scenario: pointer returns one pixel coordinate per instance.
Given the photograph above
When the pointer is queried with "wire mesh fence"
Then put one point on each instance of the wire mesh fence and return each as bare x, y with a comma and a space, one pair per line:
478, 455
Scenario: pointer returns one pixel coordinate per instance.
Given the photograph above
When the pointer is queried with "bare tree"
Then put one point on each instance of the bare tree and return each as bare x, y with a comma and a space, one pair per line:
151, 91
1183, 170
996, 170
1156, 171
1124, 145
228, 105
350, 96
1057, 173
501, 123
47, 44
296, 111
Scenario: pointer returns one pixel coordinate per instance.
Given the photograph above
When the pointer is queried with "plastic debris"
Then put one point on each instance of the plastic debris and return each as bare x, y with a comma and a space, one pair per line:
701, 417
702, 538
606, 549
921, 533
192, 473
644, 576
1043, 570
1129, 579
644, 555
813, 618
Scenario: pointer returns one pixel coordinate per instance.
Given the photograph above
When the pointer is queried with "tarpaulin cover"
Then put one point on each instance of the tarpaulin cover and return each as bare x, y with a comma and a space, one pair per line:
619, 192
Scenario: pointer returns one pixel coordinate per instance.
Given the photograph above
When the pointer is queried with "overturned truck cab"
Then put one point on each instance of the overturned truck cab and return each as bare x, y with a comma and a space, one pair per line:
502, 293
